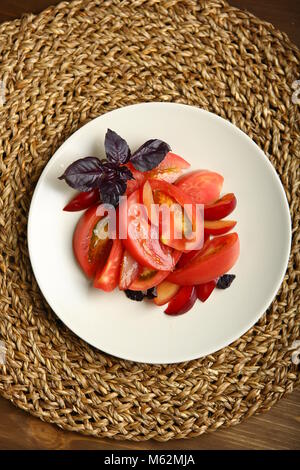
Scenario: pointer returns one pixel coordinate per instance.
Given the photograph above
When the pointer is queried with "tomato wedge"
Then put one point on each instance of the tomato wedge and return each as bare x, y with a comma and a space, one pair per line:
165, 292
181, 221
183, 301
221, 208
216, 258
89, 249
204, 290
218, 227
107, 278
141, 241
148, 201
186, 258
202, 186
83, 200
129, 270
149, 278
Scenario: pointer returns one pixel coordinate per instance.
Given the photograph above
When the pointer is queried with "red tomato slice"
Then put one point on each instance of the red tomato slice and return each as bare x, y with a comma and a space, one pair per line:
202, 186
83, 200
171, 191
172, 234
169, 169
218, 227
149, 278
186, 258
183, 301
141, 241
216, 258
107, 278
221, 208
148, 201
90, 250
129, 271
204, 290
165, 292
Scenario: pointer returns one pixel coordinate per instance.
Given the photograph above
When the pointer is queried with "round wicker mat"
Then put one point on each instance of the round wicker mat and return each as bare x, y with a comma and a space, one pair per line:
70, 64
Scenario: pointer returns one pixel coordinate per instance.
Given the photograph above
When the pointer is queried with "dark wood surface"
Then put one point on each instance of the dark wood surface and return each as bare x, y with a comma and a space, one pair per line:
277, 429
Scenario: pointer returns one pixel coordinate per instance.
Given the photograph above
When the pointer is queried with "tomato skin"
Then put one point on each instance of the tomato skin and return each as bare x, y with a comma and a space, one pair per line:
83, 200
129, 271
204, 290
82, 239
217, 257
148, 252
107, 278
183, 301
202, 186
158, 276
218, 227
186, 258
221, 208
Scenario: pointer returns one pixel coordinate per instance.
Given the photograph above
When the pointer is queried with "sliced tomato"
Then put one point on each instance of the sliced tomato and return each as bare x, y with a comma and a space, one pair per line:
186, 258
183, 219
202, 186
107, 277
216, 258
170, 190
218, 227
204, 290
148, 201
169, 169
83, 200
183, 301
165, 292
141, 240
129, 271
89, 249
221, 208
149, 278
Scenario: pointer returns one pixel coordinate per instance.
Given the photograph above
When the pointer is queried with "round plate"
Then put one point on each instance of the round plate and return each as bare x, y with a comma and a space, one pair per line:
140, 331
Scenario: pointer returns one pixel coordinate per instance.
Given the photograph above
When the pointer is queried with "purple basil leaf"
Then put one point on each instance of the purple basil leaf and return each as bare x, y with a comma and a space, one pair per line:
149, 155
84, 174
116, 148
111, 171
111, 190
125, 174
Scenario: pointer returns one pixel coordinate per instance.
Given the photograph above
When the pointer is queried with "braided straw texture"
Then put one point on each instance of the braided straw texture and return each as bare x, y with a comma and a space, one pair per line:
63, 68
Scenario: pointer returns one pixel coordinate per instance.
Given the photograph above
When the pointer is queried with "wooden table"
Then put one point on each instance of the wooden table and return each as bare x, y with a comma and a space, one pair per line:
277, 429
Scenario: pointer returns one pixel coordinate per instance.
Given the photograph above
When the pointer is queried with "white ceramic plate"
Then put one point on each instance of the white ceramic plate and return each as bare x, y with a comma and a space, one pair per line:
139, 331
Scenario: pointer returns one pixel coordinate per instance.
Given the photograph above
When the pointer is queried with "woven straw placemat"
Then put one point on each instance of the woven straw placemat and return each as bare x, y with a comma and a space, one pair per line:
70, 64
